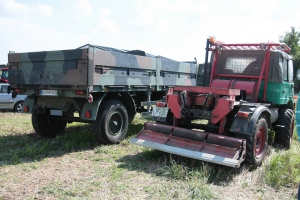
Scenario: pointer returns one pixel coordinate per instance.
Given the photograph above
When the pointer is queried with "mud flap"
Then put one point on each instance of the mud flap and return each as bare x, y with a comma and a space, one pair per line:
28, 102
204, 146
92, 107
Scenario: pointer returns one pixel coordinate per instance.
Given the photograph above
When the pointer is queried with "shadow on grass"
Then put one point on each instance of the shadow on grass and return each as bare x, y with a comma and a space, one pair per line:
164, 164
21, 148
134, 129
178, 167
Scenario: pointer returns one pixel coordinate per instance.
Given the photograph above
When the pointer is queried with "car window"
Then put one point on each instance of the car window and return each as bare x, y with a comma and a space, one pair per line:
4, 88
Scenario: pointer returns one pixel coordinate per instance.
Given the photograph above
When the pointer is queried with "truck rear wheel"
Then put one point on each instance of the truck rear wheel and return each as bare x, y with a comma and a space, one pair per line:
257, 143
284, 127
112, 122
47, 125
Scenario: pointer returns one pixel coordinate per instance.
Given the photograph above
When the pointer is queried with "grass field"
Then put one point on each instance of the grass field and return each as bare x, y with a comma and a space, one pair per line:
74, 166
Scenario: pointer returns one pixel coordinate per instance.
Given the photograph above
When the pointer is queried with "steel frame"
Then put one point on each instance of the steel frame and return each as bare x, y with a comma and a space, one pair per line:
267, 47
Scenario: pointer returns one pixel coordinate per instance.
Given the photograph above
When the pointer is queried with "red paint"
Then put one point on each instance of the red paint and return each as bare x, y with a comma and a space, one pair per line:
222, 108
174, 103
213, 144
259, 142
4, 79
26, 108
219, 99
87, 114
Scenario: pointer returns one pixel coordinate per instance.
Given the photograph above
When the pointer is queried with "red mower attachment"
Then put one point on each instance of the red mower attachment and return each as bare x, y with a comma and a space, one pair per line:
204, 146
239, 97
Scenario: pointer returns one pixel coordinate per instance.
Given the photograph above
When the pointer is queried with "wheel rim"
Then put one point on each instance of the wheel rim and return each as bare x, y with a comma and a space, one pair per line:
260, 138
19, 107
115, 123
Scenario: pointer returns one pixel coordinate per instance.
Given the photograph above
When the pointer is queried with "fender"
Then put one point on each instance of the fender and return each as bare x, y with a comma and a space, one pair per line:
29, 103
92, 107
246, 126
129, 103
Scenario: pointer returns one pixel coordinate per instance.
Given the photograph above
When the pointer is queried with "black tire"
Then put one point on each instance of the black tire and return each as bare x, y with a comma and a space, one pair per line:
257, 143
130, 118
111, 124
284, 127
46, 125
18, 106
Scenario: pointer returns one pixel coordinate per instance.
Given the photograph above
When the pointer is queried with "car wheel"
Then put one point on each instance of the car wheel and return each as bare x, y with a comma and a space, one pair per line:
18, 106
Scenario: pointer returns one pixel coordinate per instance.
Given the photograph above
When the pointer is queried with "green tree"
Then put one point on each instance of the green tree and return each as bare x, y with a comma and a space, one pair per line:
292, 40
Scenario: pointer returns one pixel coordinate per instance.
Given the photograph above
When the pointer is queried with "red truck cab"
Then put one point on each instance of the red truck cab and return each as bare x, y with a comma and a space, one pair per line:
4, 75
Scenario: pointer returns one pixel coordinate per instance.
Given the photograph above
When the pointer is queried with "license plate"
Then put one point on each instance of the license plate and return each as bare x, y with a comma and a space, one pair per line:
48, 92
160, 111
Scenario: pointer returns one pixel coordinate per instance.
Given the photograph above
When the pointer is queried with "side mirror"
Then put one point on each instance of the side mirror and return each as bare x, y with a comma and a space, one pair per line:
298, 74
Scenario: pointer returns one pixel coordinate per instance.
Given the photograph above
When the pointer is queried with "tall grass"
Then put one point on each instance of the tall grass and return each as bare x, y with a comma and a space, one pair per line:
76, 167
283, 170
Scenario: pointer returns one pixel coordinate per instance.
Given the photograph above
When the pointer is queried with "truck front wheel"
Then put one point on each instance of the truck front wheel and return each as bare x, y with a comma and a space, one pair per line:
47, 125
257, 142
112, 122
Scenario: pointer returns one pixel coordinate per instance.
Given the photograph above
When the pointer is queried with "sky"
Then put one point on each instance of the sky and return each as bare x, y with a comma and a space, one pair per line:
176, 29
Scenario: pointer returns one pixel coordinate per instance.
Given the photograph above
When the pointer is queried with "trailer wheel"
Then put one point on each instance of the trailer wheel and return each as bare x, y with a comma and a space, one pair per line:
284, 128
112, 122
47, 125
130, 118
256, 143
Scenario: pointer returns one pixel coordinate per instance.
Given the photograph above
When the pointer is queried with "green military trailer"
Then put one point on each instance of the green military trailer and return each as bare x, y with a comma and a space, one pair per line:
93, 84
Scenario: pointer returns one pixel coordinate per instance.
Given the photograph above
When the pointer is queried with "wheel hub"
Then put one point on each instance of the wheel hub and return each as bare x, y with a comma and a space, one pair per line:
259, 143
115, 123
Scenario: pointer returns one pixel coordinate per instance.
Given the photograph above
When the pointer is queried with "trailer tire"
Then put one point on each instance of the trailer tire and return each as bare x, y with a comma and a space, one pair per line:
284, 127
257, 142
130, 118
111, 124
46, 125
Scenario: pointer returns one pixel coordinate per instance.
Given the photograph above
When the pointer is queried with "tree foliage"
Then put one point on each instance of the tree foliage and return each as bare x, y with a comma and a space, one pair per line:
292, 40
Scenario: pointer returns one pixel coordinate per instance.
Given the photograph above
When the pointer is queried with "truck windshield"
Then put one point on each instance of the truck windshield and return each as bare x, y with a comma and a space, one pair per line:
240, 63
4, 74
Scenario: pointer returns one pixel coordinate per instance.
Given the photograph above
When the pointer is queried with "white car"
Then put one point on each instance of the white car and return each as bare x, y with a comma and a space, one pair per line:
9, 103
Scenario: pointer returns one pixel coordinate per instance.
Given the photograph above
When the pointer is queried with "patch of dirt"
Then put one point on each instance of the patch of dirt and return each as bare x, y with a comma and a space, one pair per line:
22, 183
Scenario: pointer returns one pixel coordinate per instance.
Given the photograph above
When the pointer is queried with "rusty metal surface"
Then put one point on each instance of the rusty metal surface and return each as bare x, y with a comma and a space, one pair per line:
223, 148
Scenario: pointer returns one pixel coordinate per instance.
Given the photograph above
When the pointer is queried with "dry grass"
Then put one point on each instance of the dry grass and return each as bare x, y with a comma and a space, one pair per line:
74, 166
